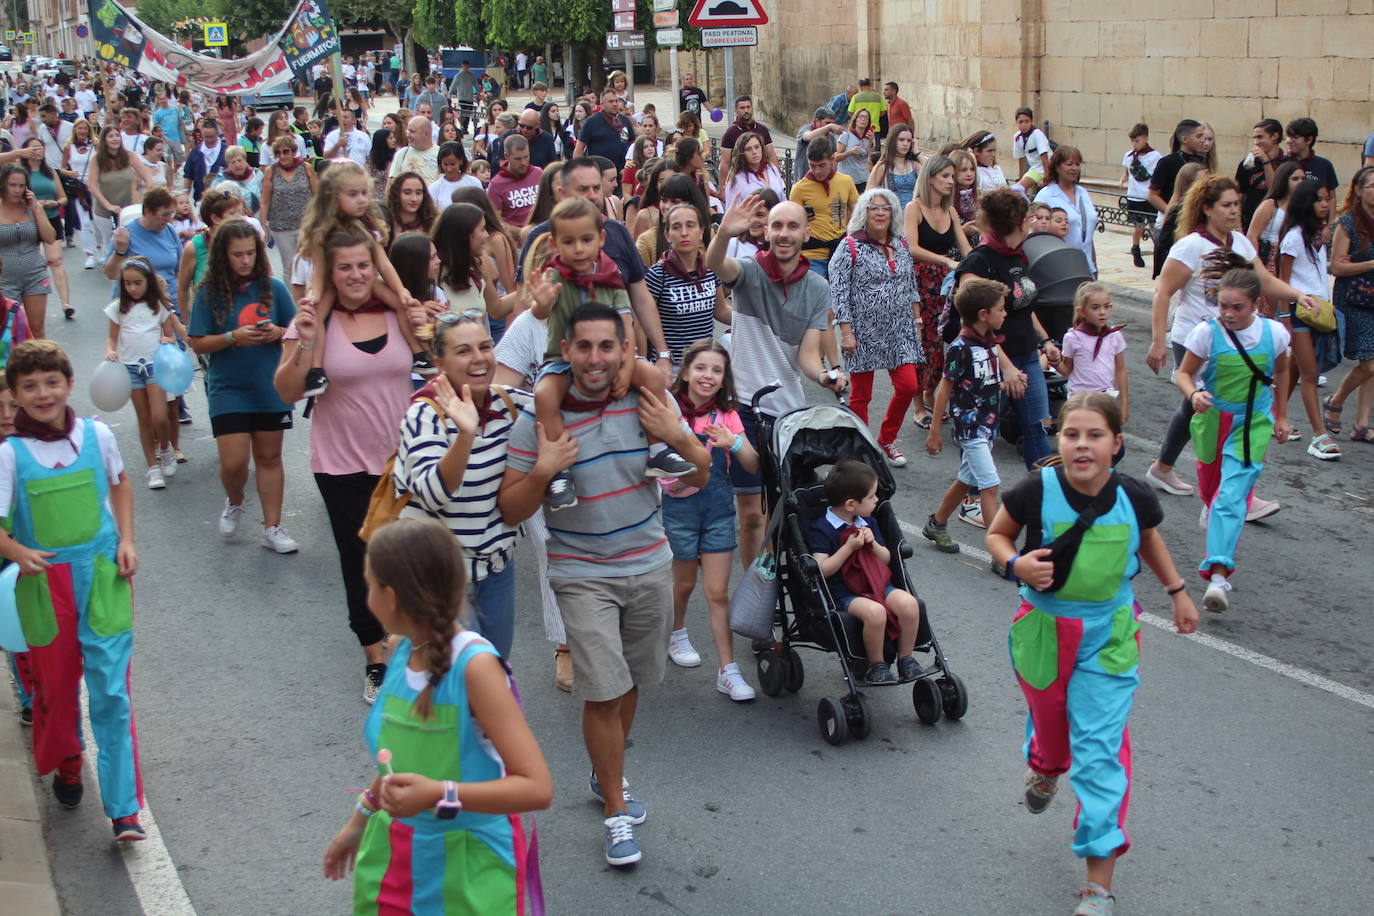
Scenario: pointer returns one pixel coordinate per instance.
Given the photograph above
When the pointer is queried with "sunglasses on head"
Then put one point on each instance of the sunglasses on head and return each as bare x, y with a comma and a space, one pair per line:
471, 313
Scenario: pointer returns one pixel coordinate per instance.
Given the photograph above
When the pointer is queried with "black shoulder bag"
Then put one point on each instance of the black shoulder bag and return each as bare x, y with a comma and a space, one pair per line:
1064, 549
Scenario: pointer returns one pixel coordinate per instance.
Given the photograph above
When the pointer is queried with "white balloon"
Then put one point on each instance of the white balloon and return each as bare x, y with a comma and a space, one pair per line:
110, 386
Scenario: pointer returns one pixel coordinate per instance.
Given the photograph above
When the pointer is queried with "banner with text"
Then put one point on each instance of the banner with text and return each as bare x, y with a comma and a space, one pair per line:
309, 36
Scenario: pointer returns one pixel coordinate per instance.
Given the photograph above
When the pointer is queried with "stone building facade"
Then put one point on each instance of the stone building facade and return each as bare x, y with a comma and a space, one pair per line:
1092, 68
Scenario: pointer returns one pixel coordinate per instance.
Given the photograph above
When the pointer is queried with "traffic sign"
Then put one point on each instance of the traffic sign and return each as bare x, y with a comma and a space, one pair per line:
11, 34
624, 22
82, 31
216, 34
28, 39
624, 41
746, 37
622, 6
721, 13
668, 20
663, 6
668, 38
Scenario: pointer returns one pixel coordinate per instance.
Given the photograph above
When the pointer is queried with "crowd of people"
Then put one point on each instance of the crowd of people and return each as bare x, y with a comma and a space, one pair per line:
506, 320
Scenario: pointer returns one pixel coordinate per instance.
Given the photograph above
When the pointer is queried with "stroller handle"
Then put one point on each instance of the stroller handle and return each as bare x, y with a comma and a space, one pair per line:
764, 392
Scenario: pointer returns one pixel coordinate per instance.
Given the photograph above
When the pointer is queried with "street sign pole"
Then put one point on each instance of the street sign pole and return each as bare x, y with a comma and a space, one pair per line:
676, 83
630, 74
730, 82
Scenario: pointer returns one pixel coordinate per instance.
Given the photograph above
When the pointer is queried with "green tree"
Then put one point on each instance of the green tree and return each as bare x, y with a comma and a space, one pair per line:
253, 18
399, 16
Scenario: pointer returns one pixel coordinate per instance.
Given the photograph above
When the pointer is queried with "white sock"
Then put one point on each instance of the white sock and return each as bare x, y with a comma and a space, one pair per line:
1220, 581
733, 667
656, 448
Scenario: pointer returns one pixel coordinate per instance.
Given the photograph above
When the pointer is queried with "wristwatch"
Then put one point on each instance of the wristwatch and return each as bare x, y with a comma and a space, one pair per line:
449, 806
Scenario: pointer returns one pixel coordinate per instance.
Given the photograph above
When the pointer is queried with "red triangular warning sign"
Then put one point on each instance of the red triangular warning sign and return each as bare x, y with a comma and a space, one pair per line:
723, 13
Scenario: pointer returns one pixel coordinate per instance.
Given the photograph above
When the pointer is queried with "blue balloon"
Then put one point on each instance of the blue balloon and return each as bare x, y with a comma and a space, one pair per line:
11, 632
172, 369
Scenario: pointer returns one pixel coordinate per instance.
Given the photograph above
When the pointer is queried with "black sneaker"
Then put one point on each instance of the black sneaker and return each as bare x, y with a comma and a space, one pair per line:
26, 716
669, 464
183, 415
879, 674
372, 682
422, 365
908, 669
562, 493
316, 383
67, 790
1135, 256
128, 829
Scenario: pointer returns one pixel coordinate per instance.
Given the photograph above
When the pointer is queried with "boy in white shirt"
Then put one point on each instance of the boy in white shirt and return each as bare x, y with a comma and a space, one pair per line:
1138, 166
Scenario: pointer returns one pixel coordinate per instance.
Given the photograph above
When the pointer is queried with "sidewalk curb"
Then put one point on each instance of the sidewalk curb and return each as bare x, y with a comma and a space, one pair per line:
26, 884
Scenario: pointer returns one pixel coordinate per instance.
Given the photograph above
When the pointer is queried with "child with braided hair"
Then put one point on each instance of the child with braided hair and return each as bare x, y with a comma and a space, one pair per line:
458, 761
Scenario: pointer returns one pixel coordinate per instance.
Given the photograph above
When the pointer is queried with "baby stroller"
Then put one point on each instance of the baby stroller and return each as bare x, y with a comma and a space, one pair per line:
794, 447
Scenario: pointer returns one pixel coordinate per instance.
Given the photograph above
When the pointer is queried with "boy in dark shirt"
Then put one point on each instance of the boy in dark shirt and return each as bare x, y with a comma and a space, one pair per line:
853, 558
1302, 137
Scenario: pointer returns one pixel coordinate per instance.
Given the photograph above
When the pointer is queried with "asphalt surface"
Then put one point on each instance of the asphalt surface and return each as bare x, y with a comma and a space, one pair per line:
1252, 791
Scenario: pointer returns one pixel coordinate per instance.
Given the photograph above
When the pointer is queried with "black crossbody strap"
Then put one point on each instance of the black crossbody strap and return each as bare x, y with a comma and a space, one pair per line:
1256, 377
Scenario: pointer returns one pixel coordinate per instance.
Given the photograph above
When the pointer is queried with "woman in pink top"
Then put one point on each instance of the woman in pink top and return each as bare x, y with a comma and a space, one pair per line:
356, 424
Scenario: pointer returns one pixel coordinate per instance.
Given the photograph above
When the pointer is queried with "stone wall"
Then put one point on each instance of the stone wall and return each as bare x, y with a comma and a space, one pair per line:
1092, 68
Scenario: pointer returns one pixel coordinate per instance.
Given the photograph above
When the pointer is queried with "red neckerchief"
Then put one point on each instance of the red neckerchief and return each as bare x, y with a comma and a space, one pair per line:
581, 405
1027, 134
773, 270
484, 410
1136, 154
823, 182
1207, 234
27, 426
867, 576
691, 412
371, 305
402, 226
1001, 247
863, 137
1093, 330
672, 263
605, 274
990, 340
888, 248
762, 173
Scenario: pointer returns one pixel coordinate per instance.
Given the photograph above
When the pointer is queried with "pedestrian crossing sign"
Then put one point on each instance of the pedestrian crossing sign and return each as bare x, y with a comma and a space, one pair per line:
10, 34
27, 38
216, 34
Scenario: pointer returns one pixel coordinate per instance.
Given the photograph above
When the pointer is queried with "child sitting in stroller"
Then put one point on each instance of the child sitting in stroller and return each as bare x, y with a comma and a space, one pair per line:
853, 558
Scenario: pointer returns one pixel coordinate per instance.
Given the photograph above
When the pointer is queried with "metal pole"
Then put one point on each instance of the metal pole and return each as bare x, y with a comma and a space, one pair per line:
729, 105
676, 83
630, 74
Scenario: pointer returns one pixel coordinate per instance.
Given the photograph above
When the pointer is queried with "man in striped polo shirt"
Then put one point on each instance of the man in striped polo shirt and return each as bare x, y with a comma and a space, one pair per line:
609, 561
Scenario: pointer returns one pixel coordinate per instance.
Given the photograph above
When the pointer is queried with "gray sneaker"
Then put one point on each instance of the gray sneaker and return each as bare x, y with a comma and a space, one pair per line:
934, 531
621, 846
668, 464
1040, 791
562, 493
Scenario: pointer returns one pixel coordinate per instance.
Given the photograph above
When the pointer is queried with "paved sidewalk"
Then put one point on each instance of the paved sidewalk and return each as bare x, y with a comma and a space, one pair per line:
26, 885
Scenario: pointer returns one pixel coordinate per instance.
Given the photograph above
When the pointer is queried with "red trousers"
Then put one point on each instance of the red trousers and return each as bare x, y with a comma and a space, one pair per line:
905, 388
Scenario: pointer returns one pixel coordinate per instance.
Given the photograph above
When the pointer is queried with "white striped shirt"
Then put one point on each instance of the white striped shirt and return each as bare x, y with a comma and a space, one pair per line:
469, 511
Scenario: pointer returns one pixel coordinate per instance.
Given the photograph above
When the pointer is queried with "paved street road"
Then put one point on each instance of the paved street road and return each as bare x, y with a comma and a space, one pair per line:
1253, 791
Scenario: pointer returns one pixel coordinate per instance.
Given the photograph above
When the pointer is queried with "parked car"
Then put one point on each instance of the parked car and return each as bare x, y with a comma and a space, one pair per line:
277, 97
6, 54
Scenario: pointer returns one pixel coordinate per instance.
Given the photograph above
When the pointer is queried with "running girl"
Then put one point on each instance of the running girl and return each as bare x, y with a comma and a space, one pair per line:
1232, 364
700, 523
141, 319
1075, 640
463, 763
343, 199
1093, 357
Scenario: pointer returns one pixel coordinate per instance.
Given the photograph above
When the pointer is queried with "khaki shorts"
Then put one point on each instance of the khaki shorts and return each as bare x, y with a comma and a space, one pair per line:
617, 630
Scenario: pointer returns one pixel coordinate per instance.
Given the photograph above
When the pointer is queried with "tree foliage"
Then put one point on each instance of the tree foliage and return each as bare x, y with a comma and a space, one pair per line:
160, 15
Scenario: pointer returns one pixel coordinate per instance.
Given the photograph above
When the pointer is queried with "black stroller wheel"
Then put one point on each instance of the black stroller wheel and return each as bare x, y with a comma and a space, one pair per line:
925, 696
859, 715
771, 672
955, 695
831, 717
794, 673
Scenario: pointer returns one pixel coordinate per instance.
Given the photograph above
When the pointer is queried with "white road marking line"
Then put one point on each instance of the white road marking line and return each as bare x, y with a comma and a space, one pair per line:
1301, 675
154, 876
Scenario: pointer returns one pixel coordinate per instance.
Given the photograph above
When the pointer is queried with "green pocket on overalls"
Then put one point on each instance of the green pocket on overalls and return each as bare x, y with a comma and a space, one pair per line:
1100, 564
36, 614
1203, 428
1122, 652
425, 746
110, 607
1035, 648
66, 509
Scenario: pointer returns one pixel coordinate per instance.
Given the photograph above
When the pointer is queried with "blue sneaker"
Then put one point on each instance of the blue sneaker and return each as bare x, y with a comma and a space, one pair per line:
621, 846
634, 808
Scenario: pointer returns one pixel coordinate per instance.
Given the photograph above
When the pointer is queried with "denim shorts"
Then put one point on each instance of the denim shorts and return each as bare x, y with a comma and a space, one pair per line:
976, 467
747, 482
701, 523
847, 600
140, 374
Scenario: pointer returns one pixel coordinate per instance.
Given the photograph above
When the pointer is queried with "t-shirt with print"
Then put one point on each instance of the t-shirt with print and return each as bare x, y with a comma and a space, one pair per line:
975, 387
1012, 272
685, 307
514, 197
768, 330
1196, 302
1092, 373
1138, 172
424, 163
1200, 338
829, 211
604, 138
1030, 148
1320, 170
1309, 267
140, 330
240, 378
616, 528
692, 99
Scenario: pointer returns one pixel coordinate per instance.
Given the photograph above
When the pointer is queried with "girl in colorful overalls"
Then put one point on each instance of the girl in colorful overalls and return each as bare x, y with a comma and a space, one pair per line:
1228, 374
73, 541
8, 409
700, 523
439, 832
1075, 640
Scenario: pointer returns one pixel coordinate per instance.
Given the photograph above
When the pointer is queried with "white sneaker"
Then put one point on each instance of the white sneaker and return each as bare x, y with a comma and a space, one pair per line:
1168, 481
1217, 597
90, 262
275, 538
731, 683
155, 481
167, 460
681, 652
229, 519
